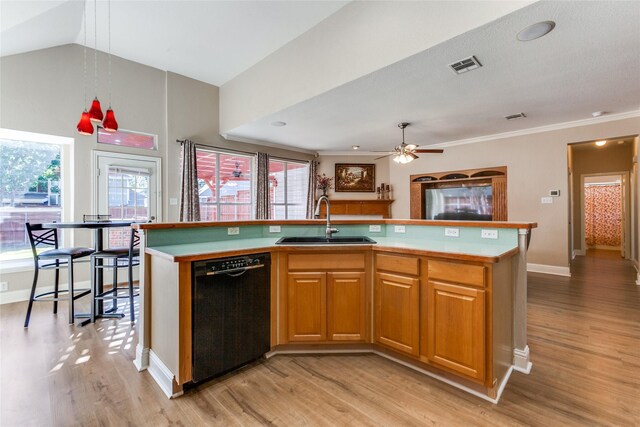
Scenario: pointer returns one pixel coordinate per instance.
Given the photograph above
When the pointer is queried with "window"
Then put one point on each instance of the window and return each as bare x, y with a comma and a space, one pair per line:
288, 184
127, 139
31, 187
225, 186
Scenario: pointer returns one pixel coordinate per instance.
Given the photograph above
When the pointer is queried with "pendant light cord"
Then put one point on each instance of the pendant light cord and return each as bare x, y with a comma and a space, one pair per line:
95, 42
109, 35
85, 54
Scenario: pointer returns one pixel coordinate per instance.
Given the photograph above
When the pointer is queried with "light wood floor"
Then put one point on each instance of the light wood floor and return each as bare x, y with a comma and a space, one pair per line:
584, 335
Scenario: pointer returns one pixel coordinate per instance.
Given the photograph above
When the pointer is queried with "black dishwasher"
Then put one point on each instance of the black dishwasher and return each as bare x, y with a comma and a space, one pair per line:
230, 313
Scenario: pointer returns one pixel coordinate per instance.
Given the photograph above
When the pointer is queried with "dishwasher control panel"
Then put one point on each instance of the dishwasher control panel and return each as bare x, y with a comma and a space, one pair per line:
230, 264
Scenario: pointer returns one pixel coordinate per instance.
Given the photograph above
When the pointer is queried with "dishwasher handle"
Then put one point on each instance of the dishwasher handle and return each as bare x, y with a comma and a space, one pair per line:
235, 271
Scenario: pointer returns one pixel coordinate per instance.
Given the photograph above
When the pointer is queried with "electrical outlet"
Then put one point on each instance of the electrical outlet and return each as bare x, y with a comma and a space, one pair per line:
4, 286
452, 232
274, 229
399, 228
489, 234
232, 231
546, 200
375, 228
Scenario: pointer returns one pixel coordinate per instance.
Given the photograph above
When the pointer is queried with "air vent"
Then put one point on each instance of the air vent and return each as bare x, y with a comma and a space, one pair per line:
515, 116
466, 64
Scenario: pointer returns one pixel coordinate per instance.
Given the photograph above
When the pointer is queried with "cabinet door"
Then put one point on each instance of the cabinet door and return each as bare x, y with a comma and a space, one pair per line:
396, 313
307, 313
456, 328
346, 306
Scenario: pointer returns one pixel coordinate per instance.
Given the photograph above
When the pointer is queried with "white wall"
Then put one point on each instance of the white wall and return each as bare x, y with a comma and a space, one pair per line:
536, 163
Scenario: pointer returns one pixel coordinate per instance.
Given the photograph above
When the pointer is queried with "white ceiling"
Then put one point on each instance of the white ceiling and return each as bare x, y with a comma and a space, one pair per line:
211, 41
590, 62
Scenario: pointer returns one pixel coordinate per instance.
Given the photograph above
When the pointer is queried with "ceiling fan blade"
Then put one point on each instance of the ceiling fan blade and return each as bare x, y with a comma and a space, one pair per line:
382, 157
420, 150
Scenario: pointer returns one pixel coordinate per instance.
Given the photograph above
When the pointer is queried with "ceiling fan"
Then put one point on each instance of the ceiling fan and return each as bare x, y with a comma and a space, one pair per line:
405, 153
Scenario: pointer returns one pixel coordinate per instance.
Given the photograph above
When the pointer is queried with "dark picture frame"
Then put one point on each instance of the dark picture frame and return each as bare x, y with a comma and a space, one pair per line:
355, 177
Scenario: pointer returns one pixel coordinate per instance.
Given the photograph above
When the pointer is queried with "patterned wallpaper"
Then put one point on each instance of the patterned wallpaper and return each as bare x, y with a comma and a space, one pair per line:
603, 215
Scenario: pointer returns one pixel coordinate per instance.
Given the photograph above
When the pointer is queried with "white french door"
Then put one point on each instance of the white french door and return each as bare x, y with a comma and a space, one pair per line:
127, 188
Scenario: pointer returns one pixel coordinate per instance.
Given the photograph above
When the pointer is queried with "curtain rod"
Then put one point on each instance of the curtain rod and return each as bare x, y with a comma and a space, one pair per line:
181, 141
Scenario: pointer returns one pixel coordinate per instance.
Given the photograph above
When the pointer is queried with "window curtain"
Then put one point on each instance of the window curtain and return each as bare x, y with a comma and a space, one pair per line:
603, 215
189, 197
262, 193
311, 189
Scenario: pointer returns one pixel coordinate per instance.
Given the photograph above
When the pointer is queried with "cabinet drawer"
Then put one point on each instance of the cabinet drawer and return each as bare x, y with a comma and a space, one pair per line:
454, 272
324, 261
398, 264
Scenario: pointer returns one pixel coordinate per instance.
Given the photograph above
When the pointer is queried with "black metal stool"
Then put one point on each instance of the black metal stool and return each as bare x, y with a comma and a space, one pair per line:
116, 258
53, 259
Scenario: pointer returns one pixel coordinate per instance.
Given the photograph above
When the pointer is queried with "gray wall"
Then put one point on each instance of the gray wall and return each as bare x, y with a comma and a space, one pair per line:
42, 92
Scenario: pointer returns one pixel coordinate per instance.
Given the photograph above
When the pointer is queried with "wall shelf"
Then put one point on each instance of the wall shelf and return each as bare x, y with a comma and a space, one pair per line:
375, 207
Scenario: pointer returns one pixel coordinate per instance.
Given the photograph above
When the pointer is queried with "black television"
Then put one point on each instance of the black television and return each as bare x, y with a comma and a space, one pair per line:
468, 202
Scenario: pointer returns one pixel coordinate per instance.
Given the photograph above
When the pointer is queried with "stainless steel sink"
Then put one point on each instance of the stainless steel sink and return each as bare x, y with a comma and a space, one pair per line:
345, 240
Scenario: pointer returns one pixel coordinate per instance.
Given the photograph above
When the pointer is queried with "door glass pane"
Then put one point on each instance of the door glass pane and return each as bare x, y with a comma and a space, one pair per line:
276, 182
128, 196
297, 179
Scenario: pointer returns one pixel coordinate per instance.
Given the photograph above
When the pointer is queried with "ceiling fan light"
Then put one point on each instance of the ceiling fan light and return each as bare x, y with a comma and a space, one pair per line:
110, 124
84, 126
95, 112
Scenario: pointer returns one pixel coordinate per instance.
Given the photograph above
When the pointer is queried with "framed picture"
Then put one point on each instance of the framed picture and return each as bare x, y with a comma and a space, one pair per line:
352, 177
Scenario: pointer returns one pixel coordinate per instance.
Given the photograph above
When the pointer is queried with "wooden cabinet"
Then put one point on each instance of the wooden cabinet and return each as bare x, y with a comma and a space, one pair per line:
307, 295
346, 303
397, 303
454, 325
327, 297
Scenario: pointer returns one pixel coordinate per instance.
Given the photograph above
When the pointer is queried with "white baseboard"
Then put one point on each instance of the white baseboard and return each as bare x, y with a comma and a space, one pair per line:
548, 269
141, 361
162, 375
521, 362
23, 294
579, 252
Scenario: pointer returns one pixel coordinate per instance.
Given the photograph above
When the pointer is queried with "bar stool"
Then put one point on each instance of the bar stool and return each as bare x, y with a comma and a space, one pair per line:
53, 259
116, 258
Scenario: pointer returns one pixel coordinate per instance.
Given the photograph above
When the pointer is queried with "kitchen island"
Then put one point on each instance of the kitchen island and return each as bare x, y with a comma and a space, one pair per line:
433, 295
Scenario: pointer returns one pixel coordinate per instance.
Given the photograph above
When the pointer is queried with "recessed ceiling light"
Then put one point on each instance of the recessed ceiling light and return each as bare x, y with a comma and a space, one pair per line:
355, 147
601, 143
598, 113
278, 124
536, 31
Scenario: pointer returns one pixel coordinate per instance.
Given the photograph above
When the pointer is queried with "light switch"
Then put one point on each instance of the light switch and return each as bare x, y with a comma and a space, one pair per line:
173, 201
375, 228
399, 228
274, 229
232, 231
546, 200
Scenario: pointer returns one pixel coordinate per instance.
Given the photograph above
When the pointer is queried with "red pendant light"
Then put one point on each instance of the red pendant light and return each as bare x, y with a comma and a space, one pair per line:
95, 112
85, 127
110, 124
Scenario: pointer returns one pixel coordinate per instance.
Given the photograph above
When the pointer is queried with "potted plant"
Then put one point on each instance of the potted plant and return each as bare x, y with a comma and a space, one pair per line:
324, 183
